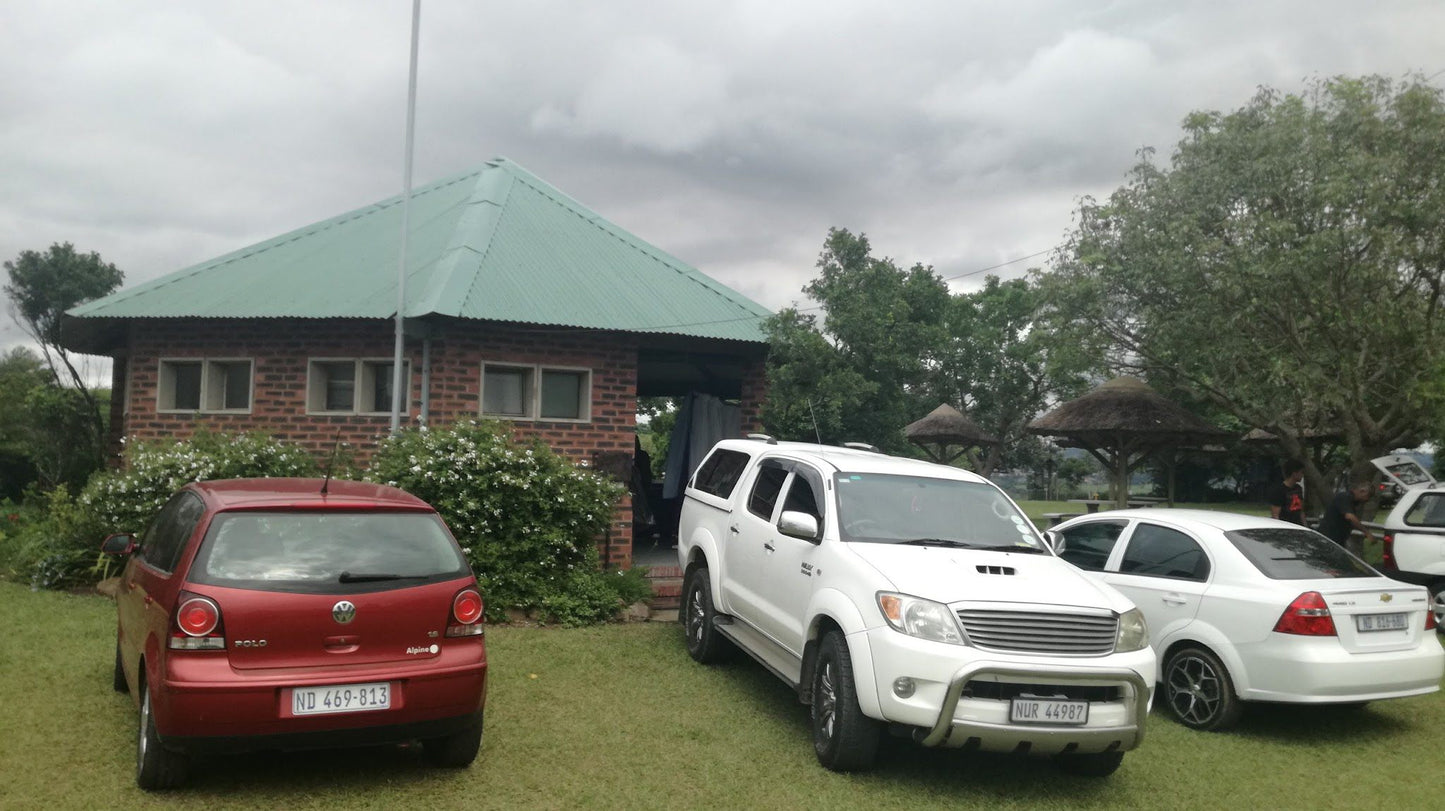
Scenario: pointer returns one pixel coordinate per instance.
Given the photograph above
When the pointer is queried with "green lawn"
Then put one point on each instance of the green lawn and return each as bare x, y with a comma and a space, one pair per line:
619, 717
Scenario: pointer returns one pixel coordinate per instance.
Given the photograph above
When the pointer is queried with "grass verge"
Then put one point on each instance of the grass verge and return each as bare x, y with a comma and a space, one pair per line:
619, 717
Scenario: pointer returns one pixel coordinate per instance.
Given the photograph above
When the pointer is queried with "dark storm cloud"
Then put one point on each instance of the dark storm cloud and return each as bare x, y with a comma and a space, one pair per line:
731, 134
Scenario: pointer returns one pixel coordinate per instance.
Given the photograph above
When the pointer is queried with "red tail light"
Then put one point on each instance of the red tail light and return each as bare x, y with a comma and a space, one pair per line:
1430, 619
197, 624
1308, 615
466, 614
1387, 556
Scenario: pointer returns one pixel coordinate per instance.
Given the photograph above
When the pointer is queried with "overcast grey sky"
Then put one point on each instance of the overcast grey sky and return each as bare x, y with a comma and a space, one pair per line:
730, 133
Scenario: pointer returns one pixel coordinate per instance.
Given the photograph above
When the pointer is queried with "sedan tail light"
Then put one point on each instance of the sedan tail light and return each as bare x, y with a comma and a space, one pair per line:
1308, 615
197, 624
467, 614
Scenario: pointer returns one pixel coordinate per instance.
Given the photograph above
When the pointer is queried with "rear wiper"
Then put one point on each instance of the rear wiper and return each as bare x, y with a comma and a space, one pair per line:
370, 577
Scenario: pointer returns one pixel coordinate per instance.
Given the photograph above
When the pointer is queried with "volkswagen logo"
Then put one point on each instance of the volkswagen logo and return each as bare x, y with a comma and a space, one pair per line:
343, 612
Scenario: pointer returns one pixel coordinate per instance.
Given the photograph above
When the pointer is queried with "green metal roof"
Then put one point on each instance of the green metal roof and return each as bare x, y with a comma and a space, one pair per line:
497, 244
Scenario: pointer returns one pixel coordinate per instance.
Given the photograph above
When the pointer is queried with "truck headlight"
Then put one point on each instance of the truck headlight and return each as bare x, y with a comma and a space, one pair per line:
1133, 633
924, 619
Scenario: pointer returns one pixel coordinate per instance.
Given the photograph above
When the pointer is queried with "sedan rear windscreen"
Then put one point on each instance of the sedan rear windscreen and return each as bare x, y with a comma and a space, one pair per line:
323, 552
1296, 554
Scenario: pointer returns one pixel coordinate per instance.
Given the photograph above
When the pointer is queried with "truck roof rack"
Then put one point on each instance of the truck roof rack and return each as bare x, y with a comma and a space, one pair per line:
763, 438
862, 446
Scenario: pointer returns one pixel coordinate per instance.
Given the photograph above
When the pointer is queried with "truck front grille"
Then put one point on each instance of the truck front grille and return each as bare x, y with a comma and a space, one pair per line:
1040, 631
1005, 691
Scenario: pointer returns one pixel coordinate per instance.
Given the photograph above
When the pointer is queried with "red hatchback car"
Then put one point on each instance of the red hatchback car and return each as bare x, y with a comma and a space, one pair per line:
293, 614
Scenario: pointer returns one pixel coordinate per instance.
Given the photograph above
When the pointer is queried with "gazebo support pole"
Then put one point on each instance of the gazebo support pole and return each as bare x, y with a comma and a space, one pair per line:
1121, 481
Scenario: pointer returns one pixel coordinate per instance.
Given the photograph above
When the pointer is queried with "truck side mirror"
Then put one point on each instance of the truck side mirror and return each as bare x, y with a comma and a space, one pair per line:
121, 543
1054, 540
796, 524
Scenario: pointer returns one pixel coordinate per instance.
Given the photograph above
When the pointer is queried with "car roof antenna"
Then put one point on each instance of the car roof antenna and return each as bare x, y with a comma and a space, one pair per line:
814, 418
331, 463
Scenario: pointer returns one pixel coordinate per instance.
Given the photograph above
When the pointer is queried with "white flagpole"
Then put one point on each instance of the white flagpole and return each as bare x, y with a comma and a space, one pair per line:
398, 395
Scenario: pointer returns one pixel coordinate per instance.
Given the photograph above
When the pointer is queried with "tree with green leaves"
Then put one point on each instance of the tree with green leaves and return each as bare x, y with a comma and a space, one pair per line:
21, 371
857, 373
1288, 265
1003, 368
41, 287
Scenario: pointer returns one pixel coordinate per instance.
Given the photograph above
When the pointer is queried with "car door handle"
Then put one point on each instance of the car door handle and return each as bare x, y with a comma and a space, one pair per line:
1174, 599
733, 529
768, 545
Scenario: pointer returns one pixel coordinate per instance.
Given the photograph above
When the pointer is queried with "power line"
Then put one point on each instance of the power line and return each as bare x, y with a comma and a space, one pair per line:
1000, 265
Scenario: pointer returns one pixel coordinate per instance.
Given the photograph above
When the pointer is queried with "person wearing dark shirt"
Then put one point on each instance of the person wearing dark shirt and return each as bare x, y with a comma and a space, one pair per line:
1287, 498
1342, 516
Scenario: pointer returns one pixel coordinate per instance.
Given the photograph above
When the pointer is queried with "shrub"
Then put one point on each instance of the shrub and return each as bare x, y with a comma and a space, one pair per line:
51, 542
126, 500
527, 516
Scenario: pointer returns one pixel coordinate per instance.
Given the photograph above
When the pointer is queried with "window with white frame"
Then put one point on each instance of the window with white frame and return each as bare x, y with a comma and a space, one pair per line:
536, 392
205, 384
352, 385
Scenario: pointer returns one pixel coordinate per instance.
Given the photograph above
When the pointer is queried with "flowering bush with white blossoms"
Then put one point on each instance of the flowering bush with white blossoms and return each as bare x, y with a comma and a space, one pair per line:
56, 543
528, 518
126, 500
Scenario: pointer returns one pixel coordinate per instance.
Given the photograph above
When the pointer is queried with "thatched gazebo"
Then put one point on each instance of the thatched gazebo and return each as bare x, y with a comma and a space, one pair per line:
946, 434
1317, 442
1122, 423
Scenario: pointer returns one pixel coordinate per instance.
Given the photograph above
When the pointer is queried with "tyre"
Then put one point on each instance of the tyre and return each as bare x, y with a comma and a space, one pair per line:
704, 643
1198, 691
1093, 764
1437, 605
844, 738
455, 751
155, 767
119, 678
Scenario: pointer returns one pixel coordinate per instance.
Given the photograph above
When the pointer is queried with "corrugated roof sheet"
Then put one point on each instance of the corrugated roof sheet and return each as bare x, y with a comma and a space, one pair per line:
496, 243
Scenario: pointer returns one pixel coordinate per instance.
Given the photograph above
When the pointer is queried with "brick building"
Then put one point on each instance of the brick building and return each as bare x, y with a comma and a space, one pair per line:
522, 305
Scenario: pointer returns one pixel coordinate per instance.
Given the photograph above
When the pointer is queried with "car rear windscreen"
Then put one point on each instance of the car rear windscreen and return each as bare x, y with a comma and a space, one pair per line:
1282, 553
1409, 473
1427, 511
323, 552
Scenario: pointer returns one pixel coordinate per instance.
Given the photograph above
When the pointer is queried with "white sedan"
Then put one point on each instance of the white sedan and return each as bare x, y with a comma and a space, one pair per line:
1241, 609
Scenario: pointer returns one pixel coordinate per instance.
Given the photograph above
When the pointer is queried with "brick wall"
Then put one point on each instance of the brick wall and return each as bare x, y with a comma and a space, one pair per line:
755, 391
281, 350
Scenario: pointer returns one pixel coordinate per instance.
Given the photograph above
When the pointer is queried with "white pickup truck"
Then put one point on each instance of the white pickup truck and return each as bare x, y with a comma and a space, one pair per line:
1414, 531
901, 596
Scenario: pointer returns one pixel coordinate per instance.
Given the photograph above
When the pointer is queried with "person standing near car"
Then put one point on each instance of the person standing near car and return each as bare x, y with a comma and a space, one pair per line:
1287, 498
1342, 517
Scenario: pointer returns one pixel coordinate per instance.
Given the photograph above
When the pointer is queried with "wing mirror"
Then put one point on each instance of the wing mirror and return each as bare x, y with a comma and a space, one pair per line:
1054, 540
121, 543
796, 524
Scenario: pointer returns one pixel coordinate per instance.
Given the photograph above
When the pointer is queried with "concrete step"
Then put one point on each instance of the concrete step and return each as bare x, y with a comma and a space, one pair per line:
666, 582
666, 592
